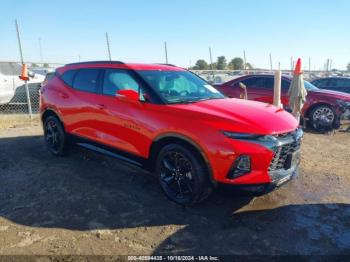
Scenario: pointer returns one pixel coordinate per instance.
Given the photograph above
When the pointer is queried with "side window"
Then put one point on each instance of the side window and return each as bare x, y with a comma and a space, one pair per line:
68, 76
342, 83
324, 83
285, 85
269, 83
250, 82
86, 80
117, 79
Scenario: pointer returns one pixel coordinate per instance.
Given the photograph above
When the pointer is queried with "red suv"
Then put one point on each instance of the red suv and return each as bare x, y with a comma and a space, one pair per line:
173, 123
322, 107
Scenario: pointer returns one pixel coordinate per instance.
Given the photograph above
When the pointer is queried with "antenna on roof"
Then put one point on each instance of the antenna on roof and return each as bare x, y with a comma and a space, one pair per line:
108, 47
166, 52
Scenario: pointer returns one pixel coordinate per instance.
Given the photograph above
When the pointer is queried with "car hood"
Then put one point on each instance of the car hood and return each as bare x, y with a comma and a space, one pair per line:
238, 115
331, 93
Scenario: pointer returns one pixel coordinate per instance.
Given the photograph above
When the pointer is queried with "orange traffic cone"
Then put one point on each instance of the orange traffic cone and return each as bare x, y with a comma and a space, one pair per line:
297, 70
24, 75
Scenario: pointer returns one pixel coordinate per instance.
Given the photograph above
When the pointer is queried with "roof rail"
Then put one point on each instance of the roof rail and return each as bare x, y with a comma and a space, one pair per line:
96, 62
165, 64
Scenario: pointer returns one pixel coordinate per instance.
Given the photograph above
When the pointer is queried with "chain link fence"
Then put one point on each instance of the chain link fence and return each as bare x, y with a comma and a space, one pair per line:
222, 76
13, 97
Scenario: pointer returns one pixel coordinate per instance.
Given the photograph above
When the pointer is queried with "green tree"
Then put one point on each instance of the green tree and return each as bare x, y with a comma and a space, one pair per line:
249, 66
221, 63
34, 65
236, 63
46, 65
213, 66
348, 67
201, 64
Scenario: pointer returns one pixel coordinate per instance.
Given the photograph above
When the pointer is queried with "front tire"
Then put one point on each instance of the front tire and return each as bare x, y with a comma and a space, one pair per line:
322, 117
182, 175
55, 136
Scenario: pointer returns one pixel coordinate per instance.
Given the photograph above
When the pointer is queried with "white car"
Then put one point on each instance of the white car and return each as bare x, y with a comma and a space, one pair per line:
12, 87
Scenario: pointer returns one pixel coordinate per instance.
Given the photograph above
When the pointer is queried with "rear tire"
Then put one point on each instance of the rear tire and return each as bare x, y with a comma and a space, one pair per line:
55, 136
182, 175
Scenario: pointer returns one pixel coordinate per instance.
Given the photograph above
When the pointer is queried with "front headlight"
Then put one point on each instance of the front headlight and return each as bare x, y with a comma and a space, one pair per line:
247, 136
344, 103
235, 135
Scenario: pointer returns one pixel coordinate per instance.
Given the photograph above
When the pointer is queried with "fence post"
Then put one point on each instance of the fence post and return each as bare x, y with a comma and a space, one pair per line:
277, 89
26, 81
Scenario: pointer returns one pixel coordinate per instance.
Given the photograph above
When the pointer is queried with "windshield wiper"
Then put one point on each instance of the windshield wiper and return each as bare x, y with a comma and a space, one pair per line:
204, 99
189, 101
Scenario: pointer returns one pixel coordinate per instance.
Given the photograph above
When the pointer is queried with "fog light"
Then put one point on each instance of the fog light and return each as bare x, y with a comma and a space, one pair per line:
240, 167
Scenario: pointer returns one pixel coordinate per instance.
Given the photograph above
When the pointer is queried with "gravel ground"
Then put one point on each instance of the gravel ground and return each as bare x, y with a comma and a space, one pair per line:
91, 204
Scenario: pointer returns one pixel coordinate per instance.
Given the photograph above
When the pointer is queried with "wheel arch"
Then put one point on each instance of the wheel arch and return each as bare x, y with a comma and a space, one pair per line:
174, 138
50, 112
312, 107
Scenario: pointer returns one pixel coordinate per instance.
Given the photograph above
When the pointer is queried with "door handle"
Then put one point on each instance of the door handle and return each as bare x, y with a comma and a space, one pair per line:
101, 106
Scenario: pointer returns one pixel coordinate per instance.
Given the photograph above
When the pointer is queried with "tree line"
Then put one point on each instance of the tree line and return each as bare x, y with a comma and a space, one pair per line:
221, 63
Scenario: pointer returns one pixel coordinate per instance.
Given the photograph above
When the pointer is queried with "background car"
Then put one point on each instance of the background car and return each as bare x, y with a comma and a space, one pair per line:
321, 105
341, 84
12, 89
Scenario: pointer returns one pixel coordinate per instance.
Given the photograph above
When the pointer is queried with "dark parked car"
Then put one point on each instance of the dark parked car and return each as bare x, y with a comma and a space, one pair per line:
322, 106
341, 84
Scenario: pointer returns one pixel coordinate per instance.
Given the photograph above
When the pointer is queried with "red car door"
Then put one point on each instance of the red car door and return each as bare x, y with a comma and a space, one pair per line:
118, 122
79, 98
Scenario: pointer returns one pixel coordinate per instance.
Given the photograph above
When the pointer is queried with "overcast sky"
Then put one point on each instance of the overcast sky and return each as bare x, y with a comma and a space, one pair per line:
138, 29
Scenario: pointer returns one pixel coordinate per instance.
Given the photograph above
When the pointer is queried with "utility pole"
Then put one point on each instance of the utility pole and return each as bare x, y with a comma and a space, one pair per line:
22, 61
245, 60
40, 50
309, 67
327, 65
166, 53
270, 62
108, 47
211, 63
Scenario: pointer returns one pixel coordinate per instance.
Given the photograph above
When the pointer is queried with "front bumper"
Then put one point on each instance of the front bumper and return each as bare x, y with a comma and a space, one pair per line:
275, 162
280, 178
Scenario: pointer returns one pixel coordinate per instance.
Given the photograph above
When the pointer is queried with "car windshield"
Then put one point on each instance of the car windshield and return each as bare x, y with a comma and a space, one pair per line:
179, 86
309, 86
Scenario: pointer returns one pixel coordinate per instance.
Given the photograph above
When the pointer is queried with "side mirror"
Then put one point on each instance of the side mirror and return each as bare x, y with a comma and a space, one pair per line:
128, 94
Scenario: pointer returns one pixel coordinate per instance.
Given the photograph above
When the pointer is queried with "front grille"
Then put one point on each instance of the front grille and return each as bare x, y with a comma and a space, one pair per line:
283, 154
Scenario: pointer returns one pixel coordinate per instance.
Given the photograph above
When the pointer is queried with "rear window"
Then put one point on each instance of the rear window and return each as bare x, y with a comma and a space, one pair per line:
49, 76
68, 76
86, 80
